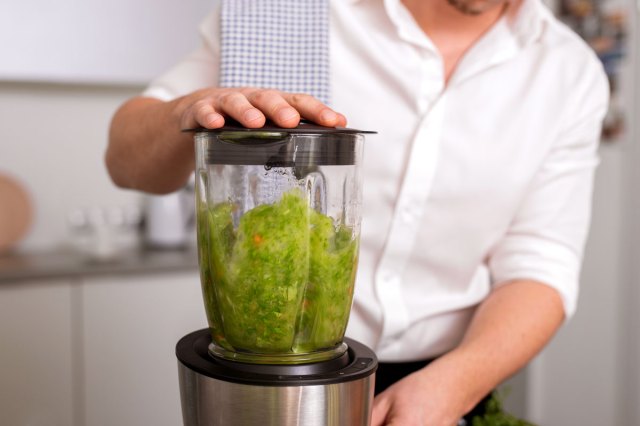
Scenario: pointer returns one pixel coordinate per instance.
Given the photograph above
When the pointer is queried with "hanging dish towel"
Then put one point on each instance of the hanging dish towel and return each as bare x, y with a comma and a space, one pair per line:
277, 44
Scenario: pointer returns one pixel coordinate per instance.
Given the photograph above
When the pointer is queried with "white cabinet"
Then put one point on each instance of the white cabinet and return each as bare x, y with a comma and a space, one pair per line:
36, 359
131, 326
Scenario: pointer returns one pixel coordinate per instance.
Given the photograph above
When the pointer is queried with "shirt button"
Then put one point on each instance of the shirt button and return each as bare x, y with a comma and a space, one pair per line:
389, 277
407, 215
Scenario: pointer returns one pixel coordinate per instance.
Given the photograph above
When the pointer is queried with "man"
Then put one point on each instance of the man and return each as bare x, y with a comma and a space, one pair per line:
477, 188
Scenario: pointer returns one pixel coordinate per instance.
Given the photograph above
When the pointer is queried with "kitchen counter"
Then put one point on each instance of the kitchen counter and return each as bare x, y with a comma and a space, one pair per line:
66, 263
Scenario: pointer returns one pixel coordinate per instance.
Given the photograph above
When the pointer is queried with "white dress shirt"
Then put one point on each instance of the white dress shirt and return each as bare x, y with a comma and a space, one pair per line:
468, 185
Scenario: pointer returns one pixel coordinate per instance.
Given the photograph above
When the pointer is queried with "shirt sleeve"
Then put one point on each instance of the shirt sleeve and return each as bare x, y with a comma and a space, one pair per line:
197, 70
546, 238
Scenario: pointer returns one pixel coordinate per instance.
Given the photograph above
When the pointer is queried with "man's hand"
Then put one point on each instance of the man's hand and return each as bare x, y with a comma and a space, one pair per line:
148, 152
252, 107
432, 396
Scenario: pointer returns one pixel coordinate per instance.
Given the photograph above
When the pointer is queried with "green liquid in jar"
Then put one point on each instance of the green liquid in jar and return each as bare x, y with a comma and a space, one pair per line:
282, 282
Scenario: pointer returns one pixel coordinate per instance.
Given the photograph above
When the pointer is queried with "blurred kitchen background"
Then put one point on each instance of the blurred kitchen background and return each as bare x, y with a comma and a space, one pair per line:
97, 292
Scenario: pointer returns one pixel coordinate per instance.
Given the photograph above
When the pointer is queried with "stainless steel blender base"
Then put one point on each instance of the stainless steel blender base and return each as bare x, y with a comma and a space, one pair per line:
215, 393
212, 402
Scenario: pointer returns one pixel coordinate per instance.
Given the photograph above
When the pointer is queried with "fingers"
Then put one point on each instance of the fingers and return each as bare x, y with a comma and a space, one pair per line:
314, 110
284, 109
236, 105
275, 107
252, 107
342, 121
380, 410
206, 116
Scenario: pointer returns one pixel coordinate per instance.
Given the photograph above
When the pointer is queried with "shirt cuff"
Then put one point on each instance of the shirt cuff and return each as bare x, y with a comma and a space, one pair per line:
158, 93
549, 263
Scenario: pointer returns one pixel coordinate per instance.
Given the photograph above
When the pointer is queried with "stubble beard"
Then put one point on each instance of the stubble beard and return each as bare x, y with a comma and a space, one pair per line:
468, 8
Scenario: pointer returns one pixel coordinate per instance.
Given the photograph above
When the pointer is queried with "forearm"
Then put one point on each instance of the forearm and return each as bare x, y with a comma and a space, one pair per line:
509, 328
146, 149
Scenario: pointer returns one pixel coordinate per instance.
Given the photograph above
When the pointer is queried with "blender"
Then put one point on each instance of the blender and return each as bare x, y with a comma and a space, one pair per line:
278, 217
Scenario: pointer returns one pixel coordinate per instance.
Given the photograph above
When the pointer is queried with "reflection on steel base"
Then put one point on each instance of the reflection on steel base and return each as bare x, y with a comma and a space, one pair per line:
211, 402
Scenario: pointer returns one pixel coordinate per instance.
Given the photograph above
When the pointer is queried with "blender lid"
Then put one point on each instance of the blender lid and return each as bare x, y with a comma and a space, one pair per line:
305, 127
307, 145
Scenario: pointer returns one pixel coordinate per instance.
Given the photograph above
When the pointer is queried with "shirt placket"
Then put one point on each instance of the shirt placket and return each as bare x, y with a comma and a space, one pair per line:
411, 201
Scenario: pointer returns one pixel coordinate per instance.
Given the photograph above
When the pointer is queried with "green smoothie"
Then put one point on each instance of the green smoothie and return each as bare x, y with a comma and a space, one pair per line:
279, 283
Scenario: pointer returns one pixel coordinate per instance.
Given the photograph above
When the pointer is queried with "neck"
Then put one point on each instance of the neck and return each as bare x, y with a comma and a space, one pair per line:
438, 16
452, 31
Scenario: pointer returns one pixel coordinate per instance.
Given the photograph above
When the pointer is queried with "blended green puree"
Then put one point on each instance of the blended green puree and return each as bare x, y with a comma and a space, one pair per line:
282, 282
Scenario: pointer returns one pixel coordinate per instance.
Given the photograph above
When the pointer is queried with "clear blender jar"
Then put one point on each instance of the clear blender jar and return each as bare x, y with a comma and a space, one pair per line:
278, 231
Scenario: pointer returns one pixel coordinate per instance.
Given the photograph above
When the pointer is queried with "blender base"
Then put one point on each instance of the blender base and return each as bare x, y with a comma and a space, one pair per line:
328, 393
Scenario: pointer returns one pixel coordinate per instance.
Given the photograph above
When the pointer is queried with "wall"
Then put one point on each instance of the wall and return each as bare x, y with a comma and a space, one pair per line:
628, 332
574, 381
52, 138
96, 41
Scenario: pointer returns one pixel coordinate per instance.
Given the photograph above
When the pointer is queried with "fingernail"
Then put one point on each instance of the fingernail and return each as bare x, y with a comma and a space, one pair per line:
252, 115
328, 115
212, 118
288, 114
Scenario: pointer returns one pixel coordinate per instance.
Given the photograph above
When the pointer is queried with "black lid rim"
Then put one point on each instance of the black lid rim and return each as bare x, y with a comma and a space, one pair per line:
305, 127
192, 352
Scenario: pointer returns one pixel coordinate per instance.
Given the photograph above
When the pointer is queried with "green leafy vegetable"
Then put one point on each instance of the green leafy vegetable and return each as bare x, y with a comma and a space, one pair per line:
282, 282
496, 416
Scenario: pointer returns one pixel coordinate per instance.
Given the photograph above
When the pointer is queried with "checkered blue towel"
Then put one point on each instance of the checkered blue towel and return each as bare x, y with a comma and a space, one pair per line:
278, 44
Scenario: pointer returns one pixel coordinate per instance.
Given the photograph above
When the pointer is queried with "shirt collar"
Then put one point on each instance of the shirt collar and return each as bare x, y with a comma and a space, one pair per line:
526, 18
